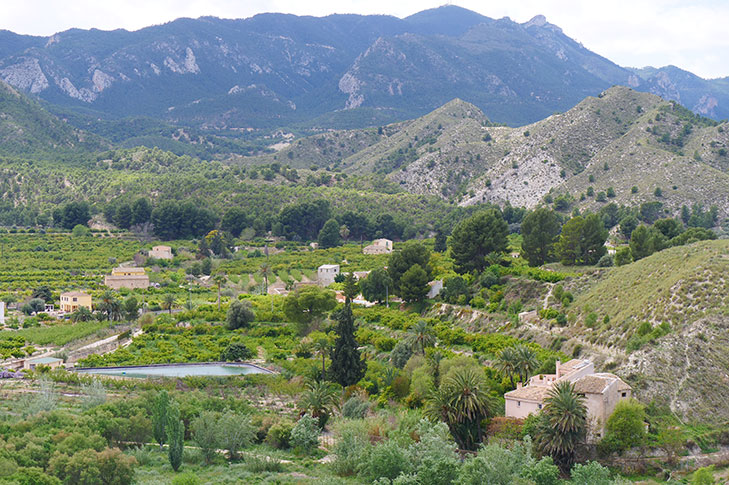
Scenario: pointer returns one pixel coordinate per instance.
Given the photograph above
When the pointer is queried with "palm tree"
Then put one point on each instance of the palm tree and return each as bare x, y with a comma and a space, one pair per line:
562, 425
168, 301
219, 280
462, 401
526, 362
82, 314
433, 361
265, 270
507, 363
421, 336
110, 305
322, 347
319, 399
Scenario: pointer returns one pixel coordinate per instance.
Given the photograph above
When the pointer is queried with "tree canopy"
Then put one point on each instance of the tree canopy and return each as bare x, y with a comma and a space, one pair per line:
477, 237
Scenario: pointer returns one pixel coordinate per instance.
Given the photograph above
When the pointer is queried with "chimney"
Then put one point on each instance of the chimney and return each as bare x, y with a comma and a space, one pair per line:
556, 365
519, 385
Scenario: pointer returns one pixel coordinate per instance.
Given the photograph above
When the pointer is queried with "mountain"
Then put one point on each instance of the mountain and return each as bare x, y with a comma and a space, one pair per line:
708, 97
276, 70
622, 142
27, 129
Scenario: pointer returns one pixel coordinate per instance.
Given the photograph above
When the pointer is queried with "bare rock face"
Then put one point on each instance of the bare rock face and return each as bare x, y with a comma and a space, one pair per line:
350, 85
706, 105
25, 75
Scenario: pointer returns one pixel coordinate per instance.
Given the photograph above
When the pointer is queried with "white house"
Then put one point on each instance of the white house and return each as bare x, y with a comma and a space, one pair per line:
2, 313
602, 392
326, 274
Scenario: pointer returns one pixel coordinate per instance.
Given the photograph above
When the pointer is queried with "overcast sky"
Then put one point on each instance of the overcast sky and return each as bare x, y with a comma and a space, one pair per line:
689, 34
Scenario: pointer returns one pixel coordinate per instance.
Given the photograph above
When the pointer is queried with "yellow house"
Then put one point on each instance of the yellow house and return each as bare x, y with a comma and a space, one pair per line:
72, 300
127, 277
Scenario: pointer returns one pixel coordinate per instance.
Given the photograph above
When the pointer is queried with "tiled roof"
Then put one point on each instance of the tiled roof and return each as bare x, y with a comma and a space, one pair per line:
529, 393
597, 383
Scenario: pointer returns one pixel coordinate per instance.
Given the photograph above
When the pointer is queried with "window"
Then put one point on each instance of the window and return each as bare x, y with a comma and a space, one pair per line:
518, 404
624, 394
539, 406
75, 299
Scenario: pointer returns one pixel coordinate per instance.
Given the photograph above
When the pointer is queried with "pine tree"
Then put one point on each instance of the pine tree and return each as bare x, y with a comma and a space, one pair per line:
329, 235
347, 368
175, 436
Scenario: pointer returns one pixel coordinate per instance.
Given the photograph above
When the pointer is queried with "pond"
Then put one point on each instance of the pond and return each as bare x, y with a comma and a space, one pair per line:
178, 370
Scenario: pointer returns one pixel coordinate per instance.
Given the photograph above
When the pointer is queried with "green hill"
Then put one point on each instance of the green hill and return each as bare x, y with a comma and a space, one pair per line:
26, 129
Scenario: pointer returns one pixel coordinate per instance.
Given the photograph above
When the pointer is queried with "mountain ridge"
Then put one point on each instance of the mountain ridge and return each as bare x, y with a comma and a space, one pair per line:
296, 70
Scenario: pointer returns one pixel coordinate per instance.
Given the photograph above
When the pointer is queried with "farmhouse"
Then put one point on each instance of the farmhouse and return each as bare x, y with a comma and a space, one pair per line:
161, 252
51, 362
127, 277
379, 246
602, 392
326, 274
72, 300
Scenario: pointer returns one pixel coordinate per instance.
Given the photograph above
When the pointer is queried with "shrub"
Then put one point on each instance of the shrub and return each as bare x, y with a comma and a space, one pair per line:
279, 435
543, 472
400, 354
703, 476
356, 407
591, 473
605, 262
305, 434
625, 427
264, 464
236, 352
350, 449
386, 460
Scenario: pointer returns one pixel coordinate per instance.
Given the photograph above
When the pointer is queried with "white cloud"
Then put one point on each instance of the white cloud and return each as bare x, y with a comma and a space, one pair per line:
689, 34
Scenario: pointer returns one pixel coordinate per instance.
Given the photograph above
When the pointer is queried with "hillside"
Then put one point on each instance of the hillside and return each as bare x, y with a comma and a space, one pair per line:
683, 287
26, 129
623, 143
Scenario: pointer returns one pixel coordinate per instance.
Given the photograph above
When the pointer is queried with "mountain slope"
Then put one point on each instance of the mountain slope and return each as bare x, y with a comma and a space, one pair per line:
275, 70
708, 97
26, 129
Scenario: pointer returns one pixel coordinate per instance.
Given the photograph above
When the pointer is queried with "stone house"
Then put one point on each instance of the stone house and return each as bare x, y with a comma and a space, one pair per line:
326, 274
378, 246
602, 392
72, 300
161, 252
127, 277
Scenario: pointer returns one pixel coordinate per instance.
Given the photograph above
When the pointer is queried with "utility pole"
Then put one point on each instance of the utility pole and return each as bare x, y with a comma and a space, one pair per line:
387, 296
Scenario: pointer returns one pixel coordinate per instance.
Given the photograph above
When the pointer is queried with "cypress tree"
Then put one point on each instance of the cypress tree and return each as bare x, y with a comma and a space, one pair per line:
347, 368
175, 436
160, 408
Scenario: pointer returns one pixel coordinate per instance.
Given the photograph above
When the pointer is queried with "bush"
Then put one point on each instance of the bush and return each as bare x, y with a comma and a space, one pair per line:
305, 434
356, 407
625, 427
279, 435
544, 472
236, 352
605, 262
264, 464
386, 460
350, 449
591, 473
